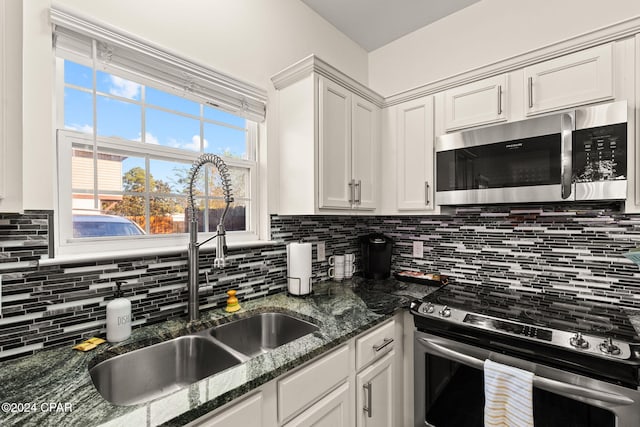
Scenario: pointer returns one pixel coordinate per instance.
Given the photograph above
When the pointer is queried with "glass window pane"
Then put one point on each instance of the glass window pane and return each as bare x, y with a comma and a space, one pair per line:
77, 74
104, 225
78, 110
82, 171
118, 118
132, 207
172, 130
114, 85
169, 177
171, 102
236, 219
167, 215
225, 141
239, 182
120, 172
222, 116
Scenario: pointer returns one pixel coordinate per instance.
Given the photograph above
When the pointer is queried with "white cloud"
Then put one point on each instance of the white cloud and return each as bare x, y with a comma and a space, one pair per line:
149, 138
80, 128
124, 88
194, 145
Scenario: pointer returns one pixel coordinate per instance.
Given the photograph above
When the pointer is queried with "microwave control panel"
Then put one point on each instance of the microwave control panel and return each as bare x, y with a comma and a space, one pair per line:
600, 153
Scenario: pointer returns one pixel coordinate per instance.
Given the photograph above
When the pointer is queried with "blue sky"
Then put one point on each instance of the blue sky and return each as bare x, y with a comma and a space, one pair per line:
123, 119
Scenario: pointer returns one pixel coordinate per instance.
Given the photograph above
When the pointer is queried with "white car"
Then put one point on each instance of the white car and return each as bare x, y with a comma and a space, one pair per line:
104, 225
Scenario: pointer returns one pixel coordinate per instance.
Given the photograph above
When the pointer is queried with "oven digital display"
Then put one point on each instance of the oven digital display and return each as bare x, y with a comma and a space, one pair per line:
512, 328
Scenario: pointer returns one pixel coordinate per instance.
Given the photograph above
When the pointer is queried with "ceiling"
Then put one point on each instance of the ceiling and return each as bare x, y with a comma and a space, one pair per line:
374, 23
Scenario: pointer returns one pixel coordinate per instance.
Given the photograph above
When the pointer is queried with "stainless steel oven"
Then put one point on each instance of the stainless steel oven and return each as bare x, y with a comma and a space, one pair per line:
584, 357
574, 155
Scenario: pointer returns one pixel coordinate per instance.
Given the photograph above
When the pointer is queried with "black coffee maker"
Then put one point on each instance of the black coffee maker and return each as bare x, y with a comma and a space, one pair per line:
376, 255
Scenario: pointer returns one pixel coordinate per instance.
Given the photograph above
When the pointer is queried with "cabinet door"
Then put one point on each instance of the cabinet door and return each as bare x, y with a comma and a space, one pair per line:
365, 130
375, 398
246, 413
415, 184
331, 411
476, 103
575, 79
334, 129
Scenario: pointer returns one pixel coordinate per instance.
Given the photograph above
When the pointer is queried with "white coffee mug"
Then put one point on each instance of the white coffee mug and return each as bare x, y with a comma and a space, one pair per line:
335, 260
349, 265
337, 272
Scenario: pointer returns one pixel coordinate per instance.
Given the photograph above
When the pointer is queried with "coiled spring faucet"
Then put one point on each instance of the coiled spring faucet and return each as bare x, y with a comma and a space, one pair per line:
193, 249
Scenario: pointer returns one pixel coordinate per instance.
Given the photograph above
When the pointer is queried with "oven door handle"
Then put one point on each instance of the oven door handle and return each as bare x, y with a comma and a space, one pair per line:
554, 386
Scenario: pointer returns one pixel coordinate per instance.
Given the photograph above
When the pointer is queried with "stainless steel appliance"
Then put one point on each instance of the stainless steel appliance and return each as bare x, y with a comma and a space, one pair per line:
585, 356
575, 155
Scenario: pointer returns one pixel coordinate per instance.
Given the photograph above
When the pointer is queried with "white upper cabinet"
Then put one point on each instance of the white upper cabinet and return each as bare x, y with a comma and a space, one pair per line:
328, 137
579, 78
336, 186
365, 135
414, 162
349, 131
476, 103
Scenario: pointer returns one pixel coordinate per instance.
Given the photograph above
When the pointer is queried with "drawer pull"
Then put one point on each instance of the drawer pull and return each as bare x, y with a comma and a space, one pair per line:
385, 343
367, 409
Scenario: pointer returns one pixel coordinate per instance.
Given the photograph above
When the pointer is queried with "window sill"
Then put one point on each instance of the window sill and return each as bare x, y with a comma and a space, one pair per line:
136, 253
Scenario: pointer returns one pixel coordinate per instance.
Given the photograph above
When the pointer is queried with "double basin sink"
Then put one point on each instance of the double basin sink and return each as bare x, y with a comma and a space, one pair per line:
150, 372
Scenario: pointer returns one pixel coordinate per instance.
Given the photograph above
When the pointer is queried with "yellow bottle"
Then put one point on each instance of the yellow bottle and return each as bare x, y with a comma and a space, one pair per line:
232, 302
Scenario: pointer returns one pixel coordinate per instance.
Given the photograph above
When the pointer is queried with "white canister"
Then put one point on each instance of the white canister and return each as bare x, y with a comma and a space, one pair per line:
118, 317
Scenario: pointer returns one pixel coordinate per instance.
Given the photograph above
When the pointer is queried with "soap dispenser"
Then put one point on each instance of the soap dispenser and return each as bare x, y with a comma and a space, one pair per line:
118, 317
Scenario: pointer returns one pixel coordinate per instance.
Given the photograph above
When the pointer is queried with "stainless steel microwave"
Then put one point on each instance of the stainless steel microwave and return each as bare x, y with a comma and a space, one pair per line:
570, 156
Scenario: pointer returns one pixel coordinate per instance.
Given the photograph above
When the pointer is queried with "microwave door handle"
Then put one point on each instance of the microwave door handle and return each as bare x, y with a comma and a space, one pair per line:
566, 153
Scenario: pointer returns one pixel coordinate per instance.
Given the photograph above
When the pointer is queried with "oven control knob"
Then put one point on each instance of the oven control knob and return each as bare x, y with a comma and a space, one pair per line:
608, 347
578, 341
445, 312
427, 308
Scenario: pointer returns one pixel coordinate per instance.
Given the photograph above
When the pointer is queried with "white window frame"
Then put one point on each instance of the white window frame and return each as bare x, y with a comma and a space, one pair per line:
65, 244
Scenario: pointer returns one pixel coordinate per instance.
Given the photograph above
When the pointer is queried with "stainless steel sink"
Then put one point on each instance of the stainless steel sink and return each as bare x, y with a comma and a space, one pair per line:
160, 369
262, 332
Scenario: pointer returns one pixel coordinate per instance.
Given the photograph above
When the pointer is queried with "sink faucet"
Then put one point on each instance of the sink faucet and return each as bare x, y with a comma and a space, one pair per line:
194, 247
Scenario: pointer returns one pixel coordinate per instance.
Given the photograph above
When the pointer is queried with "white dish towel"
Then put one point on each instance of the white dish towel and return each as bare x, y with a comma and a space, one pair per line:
508, 399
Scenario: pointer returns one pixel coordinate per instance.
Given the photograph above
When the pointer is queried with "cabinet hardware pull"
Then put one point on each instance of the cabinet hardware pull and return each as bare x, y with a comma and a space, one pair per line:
385, 343
427, 202
499, 99
567, 155
530, 92
367, 408
351, 193
359, 189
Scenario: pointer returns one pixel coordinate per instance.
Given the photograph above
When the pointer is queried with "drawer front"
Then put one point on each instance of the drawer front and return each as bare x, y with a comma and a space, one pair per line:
376, 343
309, 384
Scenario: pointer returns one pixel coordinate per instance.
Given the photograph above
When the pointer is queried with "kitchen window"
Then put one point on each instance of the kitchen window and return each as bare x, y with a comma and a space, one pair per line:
129, 126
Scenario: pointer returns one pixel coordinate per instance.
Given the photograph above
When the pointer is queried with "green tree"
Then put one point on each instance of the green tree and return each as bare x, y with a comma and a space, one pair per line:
134, 181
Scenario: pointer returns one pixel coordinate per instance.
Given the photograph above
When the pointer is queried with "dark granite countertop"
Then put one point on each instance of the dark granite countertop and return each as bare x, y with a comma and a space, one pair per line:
60, 376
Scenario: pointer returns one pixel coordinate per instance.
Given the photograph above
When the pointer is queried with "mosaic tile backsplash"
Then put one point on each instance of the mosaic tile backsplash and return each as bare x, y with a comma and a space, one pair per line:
577, 251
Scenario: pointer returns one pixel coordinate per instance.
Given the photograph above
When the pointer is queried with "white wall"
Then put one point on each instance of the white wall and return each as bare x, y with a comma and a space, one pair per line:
248, 39
11, 106
486, 32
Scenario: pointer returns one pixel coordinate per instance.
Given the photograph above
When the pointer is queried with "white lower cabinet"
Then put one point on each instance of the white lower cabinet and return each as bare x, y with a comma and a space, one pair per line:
331, 391
375, 397
256, 410
303, 387
333, 410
